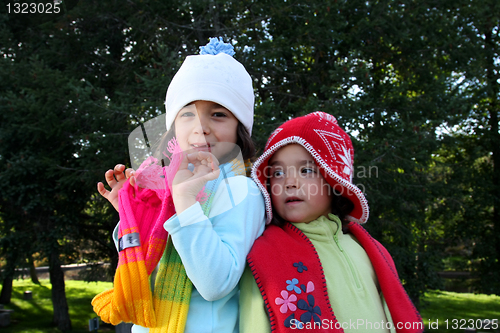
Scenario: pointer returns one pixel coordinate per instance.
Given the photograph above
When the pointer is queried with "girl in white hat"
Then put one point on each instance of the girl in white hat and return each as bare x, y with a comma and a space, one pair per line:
202, 199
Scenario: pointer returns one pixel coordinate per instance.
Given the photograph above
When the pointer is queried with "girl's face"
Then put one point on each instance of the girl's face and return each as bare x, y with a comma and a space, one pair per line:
299, 193
206, 126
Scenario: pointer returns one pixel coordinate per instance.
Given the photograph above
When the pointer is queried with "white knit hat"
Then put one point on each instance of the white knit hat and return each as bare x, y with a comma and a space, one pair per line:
213, 76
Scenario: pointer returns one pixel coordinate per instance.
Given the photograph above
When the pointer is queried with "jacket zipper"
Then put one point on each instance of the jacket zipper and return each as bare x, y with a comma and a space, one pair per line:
351, 267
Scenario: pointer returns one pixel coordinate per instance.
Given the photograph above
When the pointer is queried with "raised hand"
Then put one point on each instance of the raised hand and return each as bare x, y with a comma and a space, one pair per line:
187, 183
115, 179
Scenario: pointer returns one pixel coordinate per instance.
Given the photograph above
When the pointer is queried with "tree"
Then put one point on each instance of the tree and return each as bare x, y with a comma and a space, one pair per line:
68, 123
469, 158
382, 71
46, 116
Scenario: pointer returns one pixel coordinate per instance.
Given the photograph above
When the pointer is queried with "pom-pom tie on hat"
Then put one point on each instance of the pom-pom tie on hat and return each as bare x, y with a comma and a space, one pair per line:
216, 46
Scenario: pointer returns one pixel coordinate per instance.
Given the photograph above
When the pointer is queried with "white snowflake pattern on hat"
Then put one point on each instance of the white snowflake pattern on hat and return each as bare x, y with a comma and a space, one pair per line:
337, 143
347, 159
323, 135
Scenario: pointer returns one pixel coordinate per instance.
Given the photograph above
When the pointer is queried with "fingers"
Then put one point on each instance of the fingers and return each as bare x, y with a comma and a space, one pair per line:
110, 178
205, 165
203, 158
215, 161
118, 172
214, 174
184, 162
190, 158
115, 179
129, 173
102, 190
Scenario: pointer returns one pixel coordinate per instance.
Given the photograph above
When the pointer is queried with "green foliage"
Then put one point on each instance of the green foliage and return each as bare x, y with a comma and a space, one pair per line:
375, 67
468, 159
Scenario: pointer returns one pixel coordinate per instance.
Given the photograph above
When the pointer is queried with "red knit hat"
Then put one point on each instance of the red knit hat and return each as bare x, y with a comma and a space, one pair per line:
332, 150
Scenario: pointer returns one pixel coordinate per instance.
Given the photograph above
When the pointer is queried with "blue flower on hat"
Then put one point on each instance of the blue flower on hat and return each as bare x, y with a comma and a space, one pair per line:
216, 46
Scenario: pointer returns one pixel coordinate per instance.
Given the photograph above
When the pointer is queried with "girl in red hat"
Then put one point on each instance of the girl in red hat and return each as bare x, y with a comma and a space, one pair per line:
315, 267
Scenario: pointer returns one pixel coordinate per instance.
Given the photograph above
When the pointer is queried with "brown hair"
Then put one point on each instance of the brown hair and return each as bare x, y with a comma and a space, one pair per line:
245, 142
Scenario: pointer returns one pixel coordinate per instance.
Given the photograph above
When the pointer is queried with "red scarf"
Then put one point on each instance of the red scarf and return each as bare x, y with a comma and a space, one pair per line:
283, 252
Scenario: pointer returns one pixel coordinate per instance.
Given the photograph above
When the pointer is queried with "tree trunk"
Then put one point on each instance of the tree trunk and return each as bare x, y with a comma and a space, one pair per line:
9, 271
61, 314
6, 294
493, 109
34, 277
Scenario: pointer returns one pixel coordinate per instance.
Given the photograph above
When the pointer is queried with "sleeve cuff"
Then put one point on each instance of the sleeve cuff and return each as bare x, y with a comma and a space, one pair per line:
115, 236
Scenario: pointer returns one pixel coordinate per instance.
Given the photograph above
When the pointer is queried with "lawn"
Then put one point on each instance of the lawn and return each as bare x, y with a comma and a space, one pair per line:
34, 316
454, 312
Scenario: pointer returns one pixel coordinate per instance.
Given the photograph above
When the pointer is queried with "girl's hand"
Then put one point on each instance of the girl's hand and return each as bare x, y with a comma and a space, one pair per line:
187, 184
115, 179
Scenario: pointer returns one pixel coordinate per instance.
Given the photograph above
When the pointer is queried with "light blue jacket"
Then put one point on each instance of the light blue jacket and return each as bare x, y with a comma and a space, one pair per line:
213, 250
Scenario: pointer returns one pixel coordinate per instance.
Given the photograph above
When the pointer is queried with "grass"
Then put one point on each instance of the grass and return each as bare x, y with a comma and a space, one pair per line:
35, 316
460, 309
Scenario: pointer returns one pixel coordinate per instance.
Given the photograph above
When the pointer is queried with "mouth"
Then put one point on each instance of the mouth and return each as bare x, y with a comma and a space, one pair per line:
202, 146
291, 200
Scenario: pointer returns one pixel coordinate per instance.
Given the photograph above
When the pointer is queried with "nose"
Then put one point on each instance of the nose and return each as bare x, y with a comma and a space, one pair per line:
202, 126
291, 179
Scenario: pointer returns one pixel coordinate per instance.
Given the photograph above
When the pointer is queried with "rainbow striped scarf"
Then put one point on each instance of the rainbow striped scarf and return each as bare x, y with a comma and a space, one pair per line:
142, 238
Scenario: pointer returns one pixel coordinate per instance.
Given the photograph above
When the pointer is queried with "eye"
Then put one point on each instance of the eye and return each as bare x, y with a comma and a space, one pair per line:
277, 174
219, 114
187, 114
307, 170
